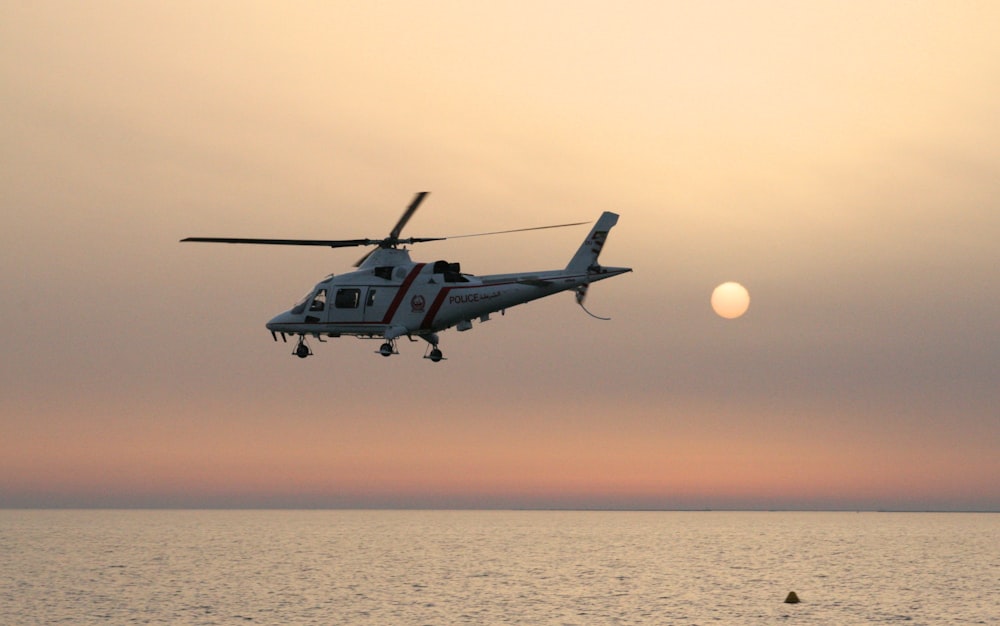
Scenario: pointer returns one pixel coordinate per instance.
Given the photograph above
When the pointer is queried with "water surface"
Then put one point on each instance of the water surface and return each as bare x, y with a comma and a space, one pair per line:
497, 567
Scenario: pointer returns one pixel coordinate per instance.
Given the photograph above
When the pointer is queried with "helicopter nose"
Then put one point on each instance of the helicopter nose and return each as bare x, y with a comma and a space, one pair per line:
280, 321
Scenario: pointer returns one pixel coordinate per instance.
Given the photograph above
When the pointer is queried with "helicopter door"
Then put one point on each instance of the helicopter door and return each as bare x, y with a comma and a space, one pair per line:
377, 300
347, 305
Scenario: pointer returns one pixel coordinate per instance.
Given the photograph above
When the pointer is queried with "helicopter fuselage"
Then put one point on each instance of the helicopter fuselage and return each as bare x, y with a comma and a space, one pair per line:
391, 296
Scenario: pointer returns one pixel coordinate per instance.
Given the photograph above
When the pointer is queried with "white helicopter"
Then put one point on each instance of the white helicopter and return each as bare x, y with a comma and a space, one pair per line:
390, 296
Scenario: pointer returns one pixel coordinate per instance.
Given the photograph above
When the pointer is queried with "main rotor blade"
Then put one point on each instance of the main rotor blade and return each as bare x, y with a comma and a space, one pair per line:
516, 230
329, 243
410, 210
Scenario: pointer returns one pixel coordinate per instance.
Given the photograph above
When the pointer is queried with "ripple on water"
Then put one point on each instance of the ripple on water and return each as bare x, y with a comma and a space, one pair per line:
420, 567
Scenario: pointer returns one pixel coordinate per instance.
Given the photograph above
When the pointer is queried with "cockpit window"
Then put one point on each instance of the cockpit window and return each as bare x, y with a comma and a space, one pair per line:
300, 306
318, 301
347, 298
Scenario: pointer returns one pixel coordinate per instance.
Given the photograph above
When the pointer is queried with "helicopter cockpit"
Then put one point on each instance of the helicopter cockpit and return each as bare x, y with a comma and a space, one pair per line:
315, 299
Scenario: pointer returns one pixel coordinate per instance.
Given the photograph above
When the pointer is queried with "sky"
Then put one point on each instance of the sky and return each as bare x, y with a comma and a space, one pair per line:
839, 159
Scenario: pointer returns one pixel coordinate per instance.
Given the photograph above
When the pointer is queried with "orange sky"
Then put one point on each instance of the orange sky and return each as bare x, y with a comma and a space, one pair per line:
839, 160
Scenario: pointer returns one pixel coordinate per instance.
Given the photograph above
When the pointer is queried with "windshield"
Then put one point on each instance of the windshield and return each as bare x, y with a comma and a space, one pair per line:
300, 306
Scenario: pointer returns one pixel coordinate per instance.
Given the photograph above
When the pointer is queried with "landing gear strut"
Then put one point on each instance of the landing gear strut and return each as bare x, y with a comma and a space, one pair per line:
434, 354
302, 349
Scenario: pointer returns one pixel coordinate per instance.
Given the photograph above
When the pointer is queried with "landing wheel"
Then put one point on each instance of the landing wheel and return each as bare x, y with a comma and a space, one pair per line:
385, 349
435, 355
302, 350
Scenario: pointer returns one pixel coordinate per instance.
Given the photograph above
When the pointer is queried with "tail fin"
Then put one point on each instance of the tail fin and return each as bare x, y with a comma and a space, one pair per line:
586, 257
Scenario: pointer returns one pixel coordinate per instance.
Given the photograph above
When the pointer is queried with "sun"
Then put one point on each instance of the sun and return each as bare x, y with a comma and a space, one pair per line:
730, 300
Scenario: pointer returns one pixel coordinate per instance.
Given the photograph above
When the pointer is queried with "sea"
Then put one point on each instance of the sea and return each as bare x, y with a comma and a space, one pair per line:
497, 567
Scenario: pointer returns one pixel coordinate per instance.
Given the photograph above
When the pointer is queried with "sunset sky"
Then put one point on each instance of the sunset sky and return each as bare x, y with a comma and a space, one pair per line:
839, 159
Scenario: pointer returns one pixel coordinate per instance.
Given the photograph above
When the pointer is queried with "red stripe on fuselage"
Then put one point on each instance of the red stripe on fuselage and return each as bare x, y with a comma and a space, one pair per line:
412, 276
438, 301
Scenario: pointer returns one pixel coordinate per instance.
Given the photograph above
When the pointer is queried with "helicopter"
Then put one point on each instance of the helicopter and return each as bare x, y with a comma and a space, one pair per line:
390, 296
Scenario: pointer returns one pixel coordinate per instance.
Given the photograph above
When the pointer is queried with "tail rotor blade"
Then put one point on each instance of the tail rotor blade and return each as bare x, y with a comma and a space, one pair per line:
581, 297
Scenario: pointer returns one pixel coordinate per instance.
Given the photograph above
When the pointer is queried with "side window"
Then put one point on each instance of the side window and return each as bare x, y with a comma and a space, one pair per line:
347, 298
319, 301
370, 300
